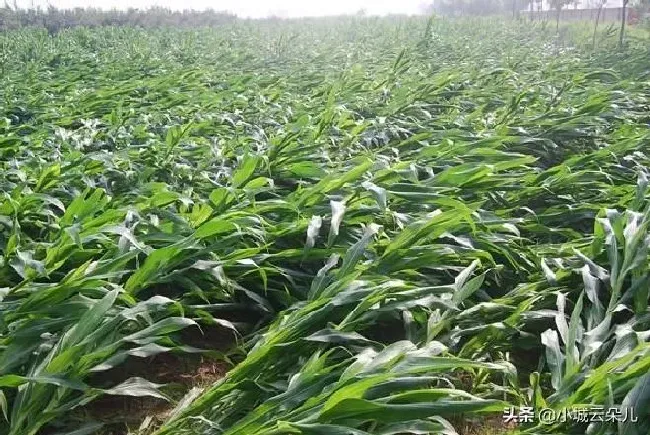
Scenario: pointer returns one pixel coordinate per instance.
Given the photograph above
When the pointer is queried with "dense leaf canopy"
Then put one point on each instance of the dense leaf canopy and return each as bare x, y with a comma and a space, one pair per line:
403, 221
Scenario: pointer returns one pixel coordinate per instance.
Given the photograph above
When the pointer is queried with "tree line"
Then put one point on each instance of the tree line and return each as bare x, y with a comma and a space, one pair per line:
54, 19
494, 7
500, 7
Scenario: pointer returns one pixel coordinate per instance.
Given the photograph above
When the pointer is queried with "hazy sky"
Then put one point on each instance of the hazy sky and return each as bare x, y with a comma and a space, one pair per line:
250, 8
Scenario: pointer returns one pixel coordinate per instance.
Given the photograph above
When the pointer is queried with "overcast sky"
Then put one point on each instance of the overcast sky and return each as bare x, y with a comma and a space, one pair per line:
250, 8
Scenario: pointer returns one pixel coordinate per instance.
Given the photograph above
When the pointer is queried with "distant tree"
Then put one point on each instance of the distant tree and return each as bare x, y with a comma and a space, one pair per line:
528, 5
601, 5
54, 19
623, 20
642, 8
471, 7
558, 5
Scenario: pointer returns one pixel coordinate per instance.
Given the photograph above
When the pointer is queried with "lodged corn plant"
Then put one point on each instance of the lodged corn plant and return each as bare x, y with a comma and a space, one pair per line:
405, 225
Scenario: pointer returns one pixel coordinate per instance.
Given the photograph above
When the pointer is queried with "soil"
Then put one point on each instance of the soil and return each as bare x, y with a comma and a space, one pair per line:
489, 425
179, 372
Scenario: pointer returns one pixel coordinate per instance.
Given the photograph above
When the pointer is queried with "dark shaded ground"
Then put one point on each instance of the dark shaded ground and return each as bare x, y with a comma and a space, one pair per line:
179, 372
489, 425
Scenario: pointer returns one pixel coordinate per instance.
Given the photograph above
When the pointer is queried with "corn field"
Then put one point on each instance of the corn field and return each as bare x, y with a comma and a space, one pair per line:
371, 225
